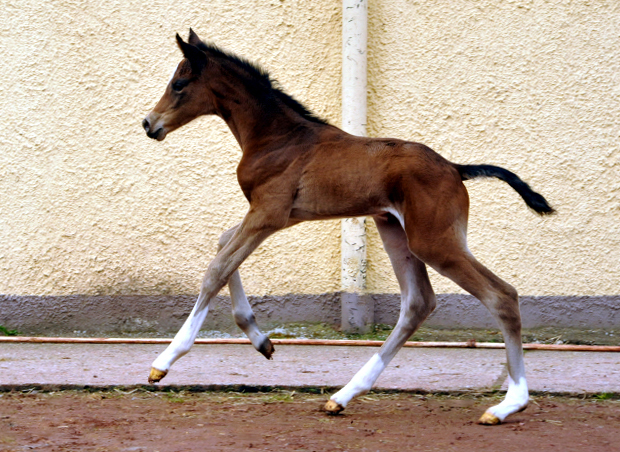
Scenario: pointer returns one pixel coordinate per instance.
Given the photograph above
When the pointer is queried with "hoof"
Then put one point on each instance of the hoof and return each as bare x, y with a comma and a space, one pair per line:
489, 419
266, 348
156, 375
332, 407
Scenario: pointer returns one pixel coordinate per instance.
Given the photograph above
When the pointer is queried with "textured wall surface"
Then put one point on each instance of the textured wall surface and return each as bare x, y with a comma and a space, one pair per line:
89, 205
533, 86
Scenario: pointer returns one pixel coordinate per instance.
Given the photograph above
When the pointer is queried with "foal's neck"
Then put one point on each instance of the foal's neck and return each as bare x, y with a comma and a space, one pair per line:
259, 127
258, 120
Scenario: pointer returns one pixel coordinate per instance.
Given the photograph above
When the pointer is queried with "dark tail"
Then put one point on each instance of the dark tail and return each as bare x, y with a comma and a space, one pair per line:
534, 200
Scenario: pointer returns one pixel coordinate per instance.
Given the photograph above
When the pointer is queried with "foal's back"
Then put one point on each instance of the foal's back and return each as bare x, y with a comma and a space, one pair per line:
345, 175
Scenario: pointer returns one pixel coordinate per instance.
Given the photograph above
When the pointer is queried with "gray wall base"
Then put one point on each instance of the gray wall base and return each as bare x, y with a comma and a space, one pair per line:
358, 312
109, 315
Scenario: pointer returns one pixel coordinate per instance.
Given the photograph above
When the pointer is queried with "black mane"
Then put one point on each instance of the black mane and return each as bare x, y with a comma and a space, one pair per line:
261, 81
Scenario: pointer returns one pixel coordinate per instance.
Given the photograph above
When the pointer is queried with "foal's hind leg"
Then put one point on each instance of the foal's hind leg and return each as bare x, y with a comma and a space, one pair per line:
242, 311
417, 302
457, 263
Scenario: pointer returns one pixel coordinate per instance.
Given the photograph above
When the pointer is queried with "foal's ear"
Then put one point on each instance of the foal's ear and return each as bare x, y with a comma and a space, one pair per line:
196, 57
193, 38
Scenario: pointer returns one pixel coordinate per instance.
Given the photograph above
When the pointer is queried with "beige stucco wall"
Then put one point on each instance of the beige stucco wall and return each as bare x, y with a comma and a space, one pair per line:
90, 205
530, 85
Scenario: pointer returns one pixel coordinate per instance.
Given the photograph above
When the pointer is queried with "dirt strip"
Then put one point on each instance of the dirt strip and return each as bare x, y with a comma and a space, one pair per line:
290, 421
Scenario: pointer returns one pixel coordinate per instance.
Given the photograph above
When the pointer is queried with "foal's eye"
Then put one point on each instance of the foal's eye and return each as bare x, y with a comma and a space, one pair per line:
179, 85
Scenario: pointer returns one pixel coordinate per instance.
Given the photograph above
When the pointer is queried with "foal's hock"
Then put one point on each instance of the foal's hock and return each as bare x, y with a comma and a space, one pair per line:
296, 167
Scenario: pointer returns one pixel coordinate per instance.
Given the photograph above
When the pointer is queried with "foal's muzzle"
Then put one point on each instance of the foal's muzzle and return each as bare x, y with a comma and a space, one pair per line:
157, 134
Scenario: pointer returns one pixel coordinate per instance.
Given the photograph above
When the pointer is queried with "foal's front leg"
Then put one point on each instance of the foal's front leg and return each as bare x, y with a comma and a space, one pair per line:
242, 311
248, 235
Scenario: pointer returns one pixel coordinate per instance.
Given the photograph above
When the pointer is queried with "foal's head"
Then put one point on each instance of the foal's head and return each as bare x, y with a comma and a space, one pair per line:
187, 95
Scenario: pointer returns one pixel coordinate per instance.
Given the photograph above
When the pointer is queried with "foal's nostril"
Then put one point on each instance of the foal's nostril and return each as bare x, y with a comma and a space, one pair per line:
155, 135
146, 125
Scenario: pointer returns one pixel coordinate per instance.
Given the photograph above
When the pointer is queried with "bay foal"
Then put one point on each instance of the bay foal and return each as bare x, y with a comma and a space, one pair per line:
295, 167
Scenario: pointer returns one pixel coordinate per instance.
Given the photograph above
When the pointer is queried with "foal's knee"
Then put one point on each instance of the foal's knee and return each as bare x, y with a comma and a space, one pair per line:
244, 319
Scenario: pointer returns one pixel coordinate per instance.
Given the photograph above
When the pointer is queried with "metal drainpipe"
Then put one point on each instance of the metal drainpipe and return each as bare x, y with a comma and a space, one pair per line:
357, 307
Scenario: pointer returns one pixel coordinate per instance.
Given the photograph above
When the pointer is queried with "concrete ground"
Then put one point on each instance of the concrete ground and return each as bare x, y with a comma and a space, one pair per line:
434, 370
